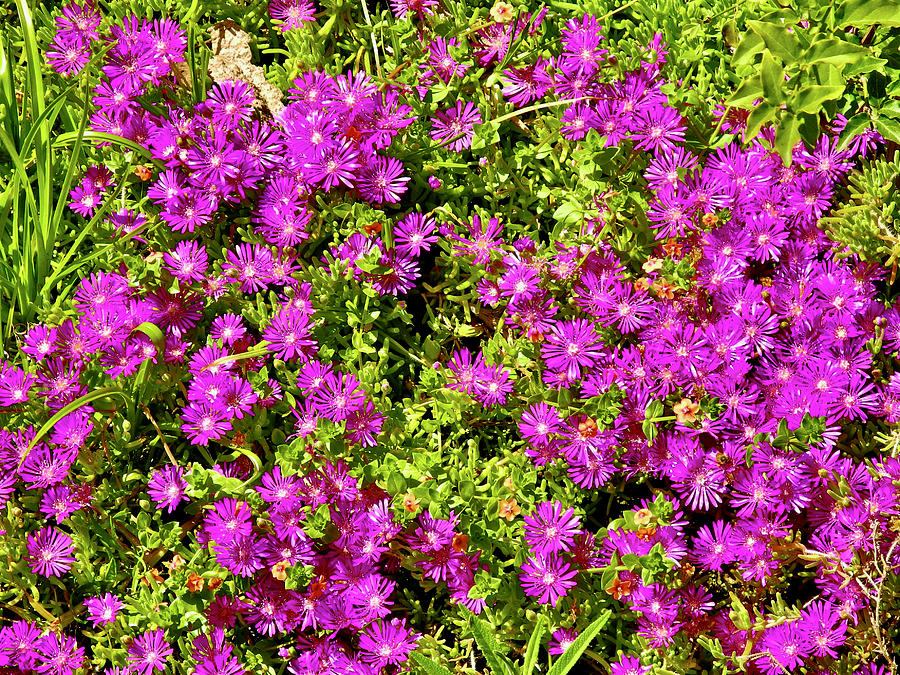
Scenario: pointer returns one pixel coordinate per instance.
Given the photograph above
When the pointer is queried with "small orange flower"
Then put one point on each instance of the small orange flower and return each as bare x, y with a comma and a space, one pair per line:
645, 533
279, 570
709, 219
214, 583
642, 284
410, 503
672, 247
509, 509
460, 542
317, 587
194, 583
143, 172
686, 410
620, 588
664, 289
508, 484
372, 228
152, 574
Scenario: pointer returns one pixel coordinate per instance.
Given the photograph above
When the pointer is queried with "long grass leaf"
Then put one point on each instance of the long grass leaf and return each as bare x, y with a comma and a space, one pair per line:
567, 661
72, 407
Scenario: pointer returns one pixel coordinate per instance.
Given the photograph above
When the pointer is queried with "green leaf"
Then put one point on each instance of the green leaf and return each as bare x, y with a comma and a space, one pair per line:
750, 90
761, 115
567, 660
834, 51
779, 40
786, 137
491, 648
152, 331
534, 645
852, 129
865, 65
72, 407
869, 12
750, 46
810, 99
888, 128
430, 667
772, 76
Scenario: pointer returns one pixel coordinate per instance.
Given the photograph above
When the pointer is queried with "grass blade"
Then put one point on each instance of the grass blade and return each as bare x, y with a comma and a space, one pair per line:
567, 661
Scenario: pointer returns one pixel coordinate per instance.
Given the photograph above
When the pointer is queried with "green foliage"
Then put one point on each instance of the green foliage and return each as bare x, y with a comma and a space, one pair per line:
867, 220
806, 63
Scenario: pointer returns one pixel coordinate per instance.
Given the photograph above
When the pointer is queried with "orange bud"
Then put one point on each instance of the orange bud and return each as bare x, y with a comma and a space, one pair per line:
410, 503
194, 583
460, 541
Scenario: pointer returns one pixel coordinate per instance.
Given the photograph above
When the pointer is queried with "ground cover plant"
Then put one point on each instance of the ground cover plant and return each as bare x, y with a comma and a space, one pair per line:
449, 337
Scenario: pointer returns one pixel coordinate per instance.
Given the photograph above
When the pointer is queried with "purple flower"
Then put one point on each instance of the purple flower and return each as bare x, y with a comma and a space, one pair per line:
188, 262
382, 181
203, 423
288, 335
167, 487
60, 655
292, 13
549, 529
456, 126
571, 346
387, 643
548, 578
50, 552
230, 102
103, 609
148, 652
333, 165
628, 665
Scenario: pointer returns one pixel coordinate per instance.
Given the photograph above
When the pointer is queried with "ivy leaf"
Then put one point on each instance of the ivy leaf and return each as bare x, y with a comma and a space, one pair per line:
852, 129
750, 45
865, 65
810, 99
834, 51
869, 12
762, 114
772, 77
888, 128
786, 137
779, 40
749, 91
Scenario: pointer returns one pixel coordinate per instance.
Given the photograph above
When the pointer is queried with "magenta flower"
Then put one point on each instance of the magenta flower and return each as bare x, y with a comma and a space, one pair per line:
571, 346
387, 643
456, 127
167, 487
547, 578
149, 652
540, 420
50, 552
549, 529
58, 655
103, 609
